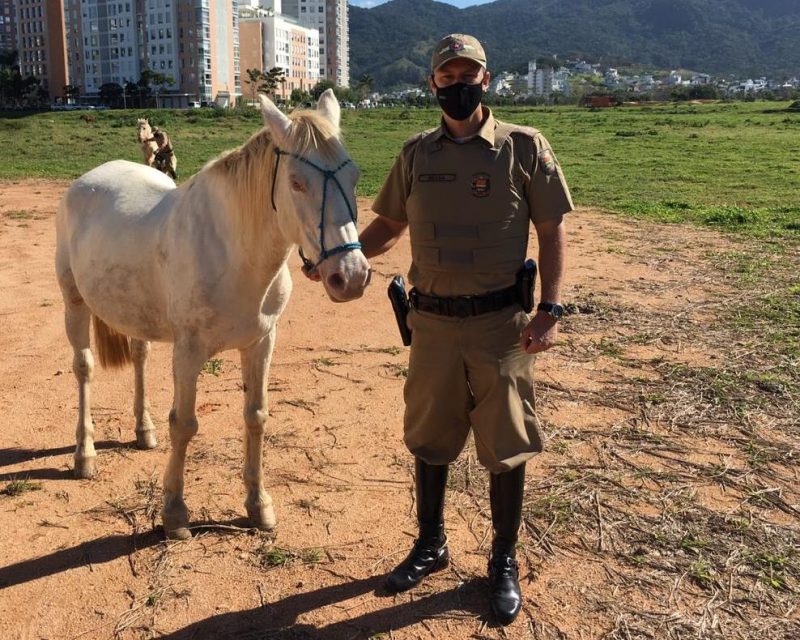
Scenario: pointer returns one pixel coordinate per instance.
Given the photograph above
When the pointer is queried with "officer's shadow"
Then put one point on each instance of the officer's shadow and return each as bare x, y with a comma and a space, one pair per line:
278, 620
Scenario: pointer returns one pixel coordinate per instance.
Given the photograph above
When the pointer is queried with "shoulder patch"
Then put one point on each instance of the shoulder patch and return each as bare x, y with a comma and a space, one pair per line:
547, 162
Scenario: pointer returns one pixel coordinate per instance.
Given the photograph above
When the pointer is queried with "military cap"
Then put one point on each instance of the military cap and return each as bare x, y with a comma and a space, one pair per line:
457, 45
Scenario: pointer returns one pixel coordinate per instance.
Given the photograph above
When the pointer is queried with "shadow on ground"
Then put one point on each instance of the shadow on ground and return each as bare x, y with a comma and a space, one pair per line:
278, 620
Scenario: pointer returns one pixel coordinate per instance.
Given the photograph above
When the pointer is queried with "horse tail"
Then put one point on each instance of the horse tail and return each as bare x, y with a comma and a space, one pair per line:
113, 348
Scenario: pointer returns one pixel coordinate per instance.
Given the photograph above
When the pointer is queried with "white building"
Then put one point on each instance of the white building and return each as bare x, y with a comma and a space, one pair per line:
503, 83
193, 42
330, 19
102, 43
269, 39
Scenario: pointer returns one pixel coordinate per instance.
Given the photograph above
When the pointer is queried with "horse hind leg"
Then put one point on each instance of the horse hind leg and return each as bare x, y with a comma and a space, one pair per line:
77, 318
145, 431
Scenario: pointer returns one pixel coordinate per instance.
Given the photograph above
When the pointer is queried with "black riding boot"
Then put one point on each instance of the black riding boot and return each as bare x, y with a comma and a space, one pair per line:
505, 494
429, 552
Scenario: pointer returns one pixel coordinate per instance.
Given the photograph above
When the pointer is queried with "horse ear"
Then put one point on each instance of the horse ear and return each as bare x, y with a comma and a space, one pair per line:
328, 105
275, 120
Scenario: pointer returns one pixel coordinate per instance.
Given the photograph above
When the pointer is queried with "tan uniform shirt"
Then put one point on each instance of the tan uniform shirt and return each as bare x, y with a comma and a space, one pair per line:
469, 204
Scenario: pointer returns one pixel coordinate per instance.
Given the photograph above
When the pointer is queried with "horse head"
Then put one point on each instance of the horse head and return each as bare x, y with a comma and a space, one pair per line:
145, 133
313, 194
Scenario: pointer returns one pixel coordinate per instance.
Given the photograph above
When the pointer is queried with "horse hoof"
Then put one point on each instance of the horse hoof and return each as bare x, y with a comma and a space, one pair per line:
85, 468
262, 517
146, 439
176, 523
181, 533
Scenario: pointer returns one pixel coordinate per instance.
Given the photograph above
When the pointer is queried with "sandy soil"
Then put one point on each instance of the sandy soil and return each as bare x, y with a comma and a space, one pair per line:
81, 559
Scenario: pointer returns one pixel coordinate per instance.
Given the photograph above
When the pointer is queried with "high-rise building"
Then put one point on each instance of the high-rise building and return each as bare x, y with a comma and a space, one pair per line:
8, 25
269, 39
208, 47
193, 42
103, 43
330, 18
40, 42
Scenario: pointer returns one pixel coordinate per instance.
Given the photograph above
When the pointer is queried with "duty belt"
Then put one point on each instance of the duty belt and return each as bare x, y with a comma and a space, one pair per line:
463, 306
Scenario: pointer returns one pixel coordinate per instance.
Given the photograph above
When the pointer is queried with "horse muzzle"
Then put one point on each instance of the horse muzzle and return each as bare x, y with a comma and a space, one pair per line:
345, 276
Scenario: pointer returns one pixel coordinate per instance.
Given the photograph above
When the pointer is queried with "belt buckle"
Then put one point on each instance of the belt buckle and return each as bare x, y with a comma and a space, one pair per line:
462, 307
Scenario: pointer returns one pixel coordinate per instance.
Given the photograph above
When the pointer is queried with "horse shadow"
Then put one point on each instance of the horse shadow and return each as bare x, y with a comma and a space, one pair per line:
278, 620
91, 552
99, 551
15, 455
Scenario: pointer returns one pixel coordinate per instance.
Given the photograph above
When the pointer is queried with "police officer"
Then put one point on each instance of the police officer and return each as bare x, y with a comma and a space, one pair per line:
165, 155
467, 191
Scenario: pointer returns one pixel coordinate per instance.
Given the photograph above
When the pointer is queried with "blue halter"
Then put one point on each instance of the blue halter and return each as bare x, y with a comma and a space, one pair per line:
329, 175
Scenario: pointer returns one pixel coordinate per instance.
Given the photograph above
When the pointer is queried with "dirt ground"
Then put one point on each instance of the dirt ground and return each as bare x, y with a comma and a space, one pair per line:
86, 559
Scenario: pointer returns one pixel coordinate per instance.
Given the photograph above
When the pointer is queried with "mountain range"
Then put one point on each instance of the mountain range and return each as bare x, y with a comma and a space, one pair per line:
393, 41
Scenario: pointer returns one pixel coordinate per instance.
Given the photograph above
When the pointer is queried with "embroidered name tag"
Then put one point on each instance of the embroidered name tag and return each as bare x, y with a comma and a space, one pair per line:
437, 177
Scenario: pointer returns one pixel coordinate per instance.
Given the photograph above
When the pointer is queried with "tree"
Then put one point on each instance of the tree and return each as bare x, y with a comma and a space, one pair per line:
299, 96
255, 78
151, 78
321, 86
272, 78
110, 93
132, 92
364, 86
16, 90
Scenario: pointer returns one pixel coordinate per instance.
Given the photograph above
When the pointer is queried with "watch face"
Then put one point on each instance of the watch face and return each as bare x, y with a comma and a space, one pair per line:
551, 308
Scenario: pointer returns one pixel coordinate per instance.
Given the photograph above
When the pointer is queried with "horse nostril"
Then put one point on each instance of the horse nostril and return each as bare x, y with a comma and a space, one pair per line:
336, 281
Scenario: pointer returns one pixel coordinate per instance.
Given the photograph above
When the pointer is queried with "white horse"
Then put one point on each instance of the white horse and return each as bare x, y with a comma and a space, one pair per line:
204, 266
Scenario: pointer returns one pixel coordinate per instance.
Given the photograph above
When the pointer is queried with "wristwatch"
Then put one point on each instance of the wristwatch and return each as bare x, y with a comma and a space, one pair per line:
553, 308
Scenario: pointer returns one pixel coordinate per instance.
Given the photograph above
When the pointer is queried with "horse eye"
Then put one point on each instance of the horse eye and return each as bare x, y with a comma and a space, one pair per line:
296, 186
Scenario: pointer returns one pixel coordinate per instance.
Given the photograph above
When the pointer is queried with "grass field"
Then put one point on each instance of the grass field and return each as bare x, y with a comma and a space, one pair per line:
728, 164
680, 486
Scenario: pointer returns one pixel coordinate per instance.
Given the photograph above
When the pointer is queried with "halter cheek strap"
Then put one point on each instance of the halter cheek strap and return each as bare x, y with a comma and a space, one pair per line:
329, 175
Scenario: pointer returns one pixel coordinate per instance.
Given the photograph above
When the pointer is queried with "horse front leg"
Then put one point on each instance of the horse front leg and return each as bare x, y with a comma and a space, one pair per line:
187, 360
255, 368
145, 431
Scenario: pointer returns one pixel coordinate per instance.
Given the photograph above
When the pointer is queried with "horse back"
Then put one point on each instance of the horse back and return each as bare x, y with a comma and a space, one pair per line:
108, 230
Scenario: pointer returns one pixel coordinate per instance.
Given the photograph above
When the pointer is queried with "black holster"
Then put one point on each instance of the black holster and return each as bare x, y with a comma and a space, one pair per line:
400, 306
526, 282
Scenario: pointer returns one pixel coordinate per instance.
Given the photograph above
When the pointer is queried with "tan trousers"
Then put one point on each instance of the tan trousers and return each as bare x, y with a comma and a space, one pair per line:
471, 373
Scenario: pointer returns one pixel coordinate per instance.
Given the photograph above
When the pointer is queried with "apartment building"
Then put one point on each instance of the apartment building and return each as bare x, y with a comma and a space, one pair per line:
269, 39
193, 42
8, 25
208, 49
103, 43
39, 26
330, 19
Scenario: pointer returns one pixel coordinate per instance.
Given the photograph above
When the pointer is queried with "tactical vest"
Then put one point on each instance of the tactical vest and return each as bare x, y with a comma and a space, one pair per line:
467, 209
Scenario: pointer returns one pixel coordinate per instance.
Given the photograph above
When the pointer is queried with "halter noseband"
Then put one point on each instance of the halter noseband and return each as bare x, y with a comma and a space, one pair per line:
330, 174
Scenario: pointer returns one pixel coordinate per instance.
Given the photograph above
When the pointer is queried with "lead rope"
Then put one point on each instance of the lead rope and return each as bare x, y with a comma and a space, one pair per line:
329, 175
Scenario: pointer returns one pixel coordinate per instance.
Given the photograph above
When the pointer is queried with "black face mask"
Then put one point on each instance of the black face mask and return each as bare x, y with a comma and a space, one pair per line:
459, 100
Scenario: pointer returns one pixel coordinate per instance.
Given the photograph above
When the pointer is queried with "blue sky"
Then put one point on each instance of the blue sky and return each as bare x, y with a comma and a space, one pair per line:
457, 3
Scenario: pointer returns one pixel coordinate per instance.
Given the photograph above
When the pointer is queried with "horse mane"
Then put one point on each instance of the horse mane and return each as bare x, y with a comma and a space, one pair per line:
248, 170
